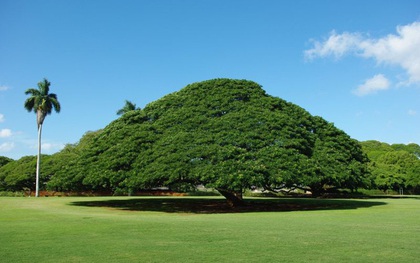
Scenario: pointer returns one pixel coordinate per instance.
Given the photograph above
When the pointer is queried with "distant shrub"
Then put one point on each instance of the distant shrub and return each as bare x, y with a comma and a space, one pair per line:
203, 193
262, 194
12, 194
375, 192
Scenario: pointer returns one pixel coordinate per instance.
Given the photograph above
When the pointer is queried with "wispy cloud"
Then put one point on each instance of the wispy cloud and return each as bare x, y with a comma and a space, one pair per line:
412, 112
52, 146
7, 146
3, 88
401, 49
5, 133
2, 119
337, 45
48, 147
376, 83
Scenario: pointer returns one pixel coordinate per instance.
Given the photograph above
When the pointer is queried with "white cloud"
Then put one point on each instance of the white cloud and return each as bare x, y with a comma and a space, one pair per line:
3, 88
5, 133
48, 147
7, 146
412, 112
336, 45
1, 118
372, 85
401, 49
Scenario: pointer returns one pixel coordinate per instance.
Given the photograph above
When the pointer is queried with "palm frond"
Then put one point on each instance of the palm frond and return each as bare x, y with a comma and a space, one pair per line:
41, 100
44, 87
29, 104
33, 92
129, 106
55, 103
53, 96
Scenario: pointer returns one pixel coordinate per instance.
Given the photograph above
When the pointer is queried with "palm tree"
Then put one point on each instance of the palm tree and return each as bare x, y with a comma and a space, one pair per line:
42, 103
129, 106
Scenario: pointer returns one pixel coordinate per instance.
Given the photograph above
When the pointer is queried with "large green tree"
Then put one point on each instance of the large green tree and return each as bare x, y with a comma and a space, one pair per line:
42, 102
225, 134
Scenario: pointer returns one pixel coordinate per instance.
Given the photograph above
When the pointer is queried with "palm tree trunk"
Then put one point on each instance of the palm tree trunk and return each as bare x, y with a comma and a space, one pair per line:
38, 161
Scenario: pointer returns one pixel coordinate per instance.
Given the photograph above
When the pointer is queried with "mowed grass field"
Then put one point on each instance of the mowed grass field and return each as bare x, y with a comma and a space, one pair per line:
186, 229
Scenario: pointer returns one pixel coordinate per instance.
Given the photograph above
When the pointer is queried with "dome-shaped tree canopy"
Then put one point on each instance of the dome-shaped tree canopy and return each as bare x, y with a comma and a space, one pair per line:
225, 134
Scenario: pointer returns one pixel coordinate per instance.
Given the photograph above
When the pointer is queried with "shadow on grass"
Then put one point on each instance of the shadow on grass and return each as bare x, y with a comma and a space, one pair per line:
213, 205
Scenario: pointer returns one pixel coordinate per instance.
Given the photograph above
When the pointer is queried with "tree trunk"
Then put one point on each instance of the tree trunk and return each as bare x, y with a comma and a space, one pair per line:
38, 161
234, 198
316, 190
40, 117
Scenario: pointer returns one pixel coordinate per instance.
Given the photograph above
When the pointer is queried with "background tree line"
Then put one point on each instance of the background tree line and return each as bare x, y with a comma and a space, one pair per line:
394, 167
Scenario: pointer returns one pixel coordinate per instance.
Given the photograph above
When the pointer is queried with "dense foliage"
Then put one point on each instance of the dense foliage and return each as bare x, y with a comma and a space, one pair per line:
394, 167
224, 134
18, 175
4, 160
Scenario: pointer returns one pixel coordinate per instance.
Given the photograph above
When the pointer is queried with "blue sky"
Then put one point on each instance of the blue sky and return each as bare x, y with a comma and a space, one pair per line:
355, 63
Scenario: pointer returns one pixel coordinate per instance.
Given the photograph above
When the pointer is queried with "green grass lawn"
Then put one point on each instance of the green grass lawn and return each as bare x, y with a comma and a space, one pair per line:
185, 229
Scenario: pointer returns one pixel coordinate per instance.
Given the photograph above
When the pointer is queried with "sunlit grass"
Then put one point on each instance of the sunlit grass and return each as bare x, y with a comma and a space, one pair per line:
111, 229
